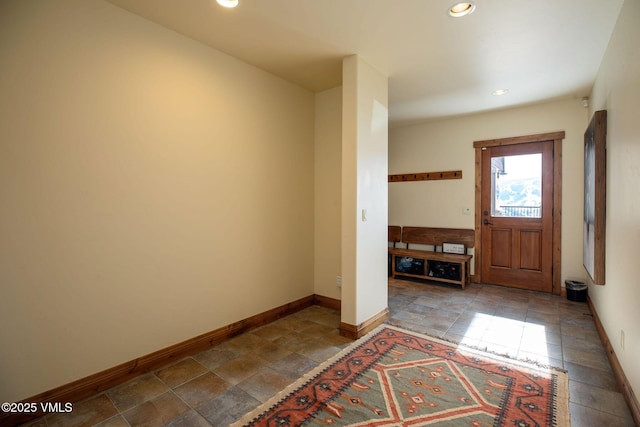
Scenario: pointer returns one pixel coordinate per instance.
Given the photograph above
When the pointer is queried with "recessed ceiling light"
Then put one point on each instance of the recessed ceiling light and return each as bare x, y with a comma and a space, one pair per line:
459, 10
500, 92
228, 3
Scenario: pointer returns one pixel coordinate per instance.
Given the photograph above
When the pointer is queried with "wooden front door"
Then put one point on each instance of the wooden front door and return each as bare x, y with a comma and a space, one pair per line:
516, 219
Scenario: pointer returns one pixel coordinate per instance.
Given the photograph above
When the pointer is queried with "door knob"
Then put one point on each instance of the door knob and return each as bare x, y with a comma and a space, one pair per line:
487, 222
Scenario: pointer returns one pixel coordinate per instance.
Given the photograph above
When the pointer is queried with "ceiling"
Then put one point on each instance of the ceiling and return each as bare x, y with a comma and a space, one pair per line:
540, 50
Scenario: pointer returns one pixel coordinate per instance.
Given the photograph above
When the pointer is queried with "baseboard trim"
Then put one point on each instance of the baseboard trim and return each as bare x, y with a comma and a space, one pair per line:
101, 381
623, 382
327, 302
356, 331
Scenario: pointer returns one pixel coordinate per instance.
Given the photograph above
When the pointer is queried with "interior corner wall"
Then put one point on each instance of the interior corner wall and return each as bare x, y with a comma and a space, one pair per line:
151, 189
448, 145
617, 90
364, 191
327, 173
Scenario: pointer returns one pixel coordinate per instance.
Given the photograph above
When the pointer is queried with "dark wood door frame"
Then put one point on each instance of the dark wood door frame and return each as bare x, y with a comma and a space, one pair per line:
557, 138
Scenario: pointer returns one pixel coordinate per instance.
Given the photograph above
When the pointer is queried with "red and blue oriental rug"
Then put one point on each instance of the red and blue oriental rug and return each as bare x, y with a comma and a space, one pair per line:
394, 377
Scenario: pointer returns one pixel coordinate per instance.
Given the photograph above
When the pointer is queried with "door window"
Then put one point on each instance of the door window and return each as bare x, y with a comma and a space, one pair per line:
516, 186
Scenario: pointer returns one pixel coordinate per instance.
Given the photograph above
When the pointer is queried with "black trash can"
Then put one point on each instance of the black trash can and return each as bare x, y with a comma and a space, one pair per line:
576, 290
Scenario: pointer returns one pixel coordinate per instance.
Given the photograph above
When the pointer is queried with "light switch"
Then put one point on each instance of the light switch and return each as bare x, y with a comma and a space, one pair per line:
364, 215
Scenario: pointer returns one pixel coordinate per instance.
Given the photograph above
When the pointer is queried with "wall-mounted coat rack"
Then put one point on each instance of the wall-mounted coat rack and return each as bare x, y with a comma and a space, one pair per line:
425, 176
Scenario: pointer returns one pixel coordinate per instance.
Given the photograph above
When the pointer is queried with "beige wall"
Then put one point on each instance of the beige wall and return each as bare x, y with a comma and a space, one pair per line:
617, 90
152, 189
327, 172
448, 145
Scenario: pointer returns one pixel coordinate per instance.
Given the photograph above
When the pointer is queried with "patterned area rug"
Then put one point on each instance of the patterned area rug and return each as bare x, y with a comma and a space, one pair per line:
394, 377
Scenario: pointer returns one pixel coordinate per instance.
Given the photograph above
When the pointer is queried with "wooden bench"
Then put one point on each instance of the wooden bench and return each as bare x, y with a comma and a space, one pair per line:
395, 236
429, 264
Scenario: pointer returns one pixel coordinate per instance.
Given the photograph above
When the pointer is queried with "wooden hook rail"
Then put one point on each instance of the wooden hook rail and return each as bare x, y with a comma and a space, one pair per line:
425, 176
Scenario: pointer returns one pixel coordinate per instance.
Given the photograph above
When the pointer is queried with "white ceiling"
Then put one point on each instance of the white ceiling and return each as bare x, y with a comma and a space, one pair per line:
437, 66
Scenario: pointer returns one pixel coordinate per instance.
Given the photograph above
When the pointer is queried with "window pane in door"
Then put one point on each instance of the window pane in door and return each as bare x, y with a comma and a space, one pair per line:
516, 186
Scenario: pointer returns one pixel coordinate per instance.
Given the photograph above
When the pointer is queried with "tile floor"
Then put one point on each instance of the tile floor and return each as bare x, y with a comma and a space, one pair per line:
219, 385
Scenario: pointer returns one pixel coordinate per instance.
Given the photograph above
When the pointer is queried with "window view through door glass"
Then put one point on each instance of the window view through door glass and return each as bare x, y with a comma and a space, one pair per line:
516, 186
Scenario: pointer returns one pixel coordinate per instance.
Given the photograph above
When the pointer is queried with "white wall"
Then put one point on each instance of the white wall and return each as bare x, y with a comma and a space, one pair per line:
328, 164
448, 145
364, 190
151, 189
617, 90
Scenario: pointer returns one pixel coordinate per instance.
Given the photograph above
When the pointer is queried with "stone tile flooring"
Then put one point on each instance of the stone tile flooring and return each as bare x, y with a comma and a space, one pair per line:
219, 385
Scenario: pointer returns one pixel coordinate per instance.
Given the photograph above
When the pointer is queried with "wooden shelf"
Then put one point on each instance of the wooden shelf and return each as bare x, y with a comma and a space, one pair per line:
426, 256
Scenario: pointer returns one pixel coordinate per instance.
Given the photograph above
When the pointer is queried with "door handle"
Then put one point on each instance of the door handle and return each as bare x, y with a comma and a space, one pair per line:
487, 222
